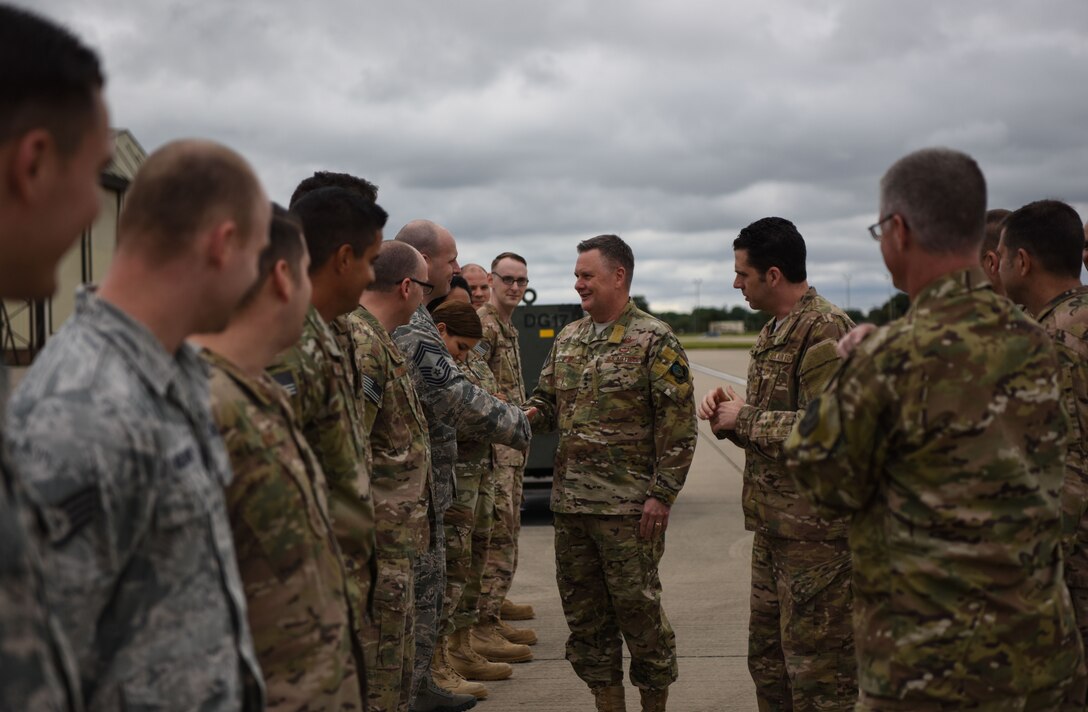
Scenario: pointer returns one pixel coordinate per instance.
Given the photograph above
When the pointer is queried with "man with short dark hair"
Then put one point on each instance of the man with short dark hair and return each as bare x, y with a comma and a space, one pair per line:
479, 284
1040, 250
54, 142
453, 407
393, 421
943, 438
492, 636
617, 386
111, 430
295, 582
800, 638
343, 234
988, 256
330, 179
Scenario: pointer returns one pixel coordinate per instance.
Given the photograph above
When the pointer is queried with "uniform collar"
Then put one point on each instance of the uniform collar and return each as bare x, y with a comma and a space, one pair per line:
615, 333
771, 336
384, 336
1056, 301
957, 283
507, 328
257, 389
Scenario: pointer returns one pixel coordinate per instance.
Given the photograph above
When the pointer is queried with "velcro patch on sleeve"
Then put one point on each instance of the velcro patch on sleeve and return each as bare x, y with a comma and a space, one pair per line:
287, 380
372, 390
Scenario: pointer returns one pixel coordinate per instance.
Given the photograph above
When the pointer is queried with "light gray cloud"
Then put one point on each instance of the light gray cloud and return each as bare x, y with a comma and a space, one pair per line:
531, 126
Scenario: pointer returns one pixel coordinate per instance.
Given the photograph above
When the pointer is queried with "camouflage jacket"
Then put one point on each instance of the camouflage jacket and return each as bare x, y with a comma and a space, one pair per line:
474, 449
452, 404
318, 378
500, 351
622, 401
1065, 319
294, 577
789, 367
943, 437
394, 421
37, 671
115, 438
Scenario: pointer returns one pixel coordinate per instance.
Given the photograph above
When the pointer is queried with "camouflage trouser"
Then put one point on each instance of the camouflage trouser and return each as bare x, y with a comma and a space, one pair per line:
800, 634
468, 533
390, 645
609, 585
430, 585
502, 554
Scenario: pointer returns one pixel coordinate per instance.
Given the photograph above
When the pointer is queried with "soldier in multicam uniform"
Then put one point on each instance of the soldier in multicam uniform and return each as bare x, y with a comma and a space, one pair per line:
800, 636
401, 462
493, 636
343, 234
468, 521
39, 63
453, 407
618, 387
112, 431
943, 436
1040, 258
295, 581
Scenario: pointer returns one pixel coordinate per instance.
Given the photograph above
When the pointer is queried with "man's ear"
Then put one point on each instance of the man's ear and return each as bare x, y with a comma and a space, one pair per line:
621, 276
773, 276
343, 257
283, 282
1026, 262
219, 241
28, 171
904, 238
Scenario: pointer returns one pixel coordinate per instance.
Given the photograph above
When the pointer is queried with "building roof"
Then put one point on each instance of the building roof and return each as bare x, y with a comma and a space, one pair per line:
128, 155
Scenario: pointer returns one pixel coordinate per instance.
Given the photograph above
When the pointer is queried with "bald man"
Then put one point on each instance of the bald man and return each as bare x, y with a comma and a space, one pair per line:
479, 284
111, 430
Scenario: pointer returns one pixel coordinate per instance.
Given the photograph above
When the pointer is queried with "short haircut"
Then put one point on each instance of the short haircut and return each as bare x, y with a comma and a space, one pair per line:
284, 243
396, 262
774, 242
941, 195
460, 319
992, 234
422, 235
334, 217
614, 250
328, 179
182, 188
513, 256
48, 79
1050, 231
456, 282
471, 266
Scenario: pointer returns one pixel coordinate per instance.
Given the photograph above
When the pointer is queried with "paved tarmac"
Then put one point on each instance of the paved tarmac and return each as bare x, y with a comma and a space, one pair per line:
705, 575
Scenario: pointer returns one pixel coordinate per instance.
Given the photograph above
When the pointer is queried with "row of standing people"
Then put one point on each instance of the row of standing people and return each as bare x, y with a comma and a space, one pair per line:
918, 491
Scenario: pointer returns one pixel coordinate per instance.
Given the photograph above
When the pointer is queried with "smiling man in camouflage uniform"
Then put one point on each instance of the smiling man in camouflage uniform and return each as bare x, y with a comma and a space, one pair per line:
943, 437
617, 386
1040, 264
800, 638
295, 581
453, 406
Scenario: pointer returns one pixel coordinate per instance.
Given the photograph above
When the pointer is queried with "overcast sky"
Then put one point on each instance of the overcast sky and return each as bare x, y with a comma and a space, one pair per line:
529, 126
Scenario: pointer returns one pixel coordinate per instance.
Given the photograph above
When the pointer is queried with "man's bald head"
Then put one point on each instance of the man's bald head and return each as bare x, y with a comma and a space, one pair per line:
184, 188
396, 262
478, 284
438, 247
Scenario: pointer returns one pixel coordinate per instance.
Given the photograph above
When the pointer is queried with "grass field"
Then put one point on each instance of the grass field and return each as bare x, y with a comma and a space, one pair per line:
700, 341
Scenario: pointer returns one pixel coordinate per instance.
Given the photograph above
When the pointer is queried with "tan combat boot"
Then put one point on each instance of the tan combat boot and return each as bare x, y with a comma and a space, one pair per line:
486, 640
609, 699
448, 679
654, 700
471, 665
516, 611
522, 636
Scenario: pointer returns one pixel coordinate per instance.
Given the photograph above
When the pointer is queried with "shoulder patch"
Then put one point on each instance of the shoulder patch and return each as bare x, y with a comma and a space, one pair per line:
372, 390
678, 371
434, 365
811, 419
72, 514
287, 380
482, 348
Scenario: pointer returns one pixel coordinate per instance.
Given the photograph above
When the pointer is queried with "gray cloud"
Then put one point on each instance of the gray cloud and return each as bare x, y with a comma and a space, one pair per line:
533, 126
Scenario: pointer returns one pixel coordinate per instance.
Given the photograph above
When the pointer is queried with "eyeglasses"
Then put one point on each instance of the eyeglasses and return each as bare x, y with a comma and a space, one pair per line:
427, 288
876, 231
511, 281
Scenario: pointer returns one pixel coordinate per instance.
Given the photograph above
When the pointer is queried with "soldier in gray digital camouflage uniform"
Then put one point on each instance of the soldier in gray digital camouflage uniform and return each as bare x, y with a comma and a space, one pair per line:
800, 637
618, 388
111, 429
1040, 263
48, 74
453, 406
943, 437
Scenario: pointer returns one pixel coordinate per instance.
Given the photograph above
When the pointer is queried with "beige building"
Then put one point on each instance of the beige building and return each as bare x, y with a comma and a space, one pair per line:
24, 326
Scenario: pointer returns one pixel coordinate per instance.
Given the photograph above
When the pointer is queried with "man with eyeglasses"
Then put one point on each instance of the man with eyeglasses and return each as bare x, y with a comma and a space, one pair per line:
800, 639
491, 636
453, 407
393, 420
942, 437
